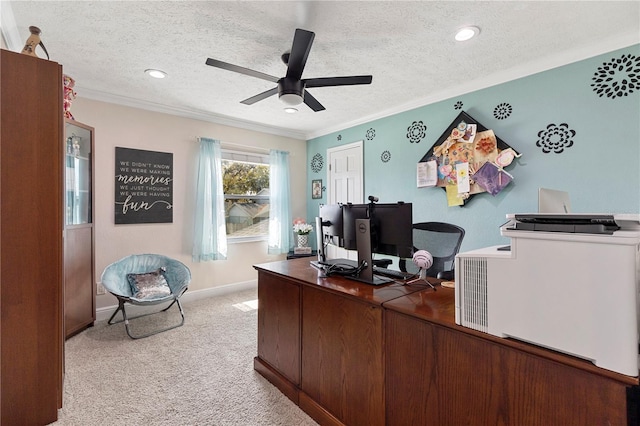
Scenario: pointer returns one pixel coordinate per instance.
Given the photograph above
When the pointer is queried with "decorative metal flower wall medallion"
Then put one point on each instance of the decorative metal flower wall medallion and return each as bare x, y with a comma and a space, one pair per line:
371, 133
385, 157
339, 137
555, 138
317, 163
619, 77
458, 105
416, 132
502, 111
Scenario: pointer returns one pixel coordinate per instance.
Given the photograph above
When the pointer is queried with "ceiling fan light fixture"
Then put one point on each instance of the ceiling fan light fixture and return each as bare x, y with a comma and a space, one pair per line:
467, 33
155, 73
291, 99
290, 110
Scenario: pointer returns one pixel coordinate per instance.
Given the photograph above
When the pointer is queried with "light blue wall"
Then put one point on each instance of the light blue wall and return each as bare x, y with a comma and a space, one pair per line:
601, 170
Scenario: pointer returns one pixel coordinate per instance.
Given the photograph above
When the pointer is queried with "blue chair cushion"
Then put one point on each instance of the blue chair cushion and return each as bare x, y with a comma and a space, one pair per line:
149, 285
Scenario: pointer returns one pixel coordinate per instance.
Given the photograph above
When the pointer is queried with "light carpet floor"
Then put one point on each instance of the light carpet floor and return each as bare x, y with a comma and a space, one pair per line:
198, 374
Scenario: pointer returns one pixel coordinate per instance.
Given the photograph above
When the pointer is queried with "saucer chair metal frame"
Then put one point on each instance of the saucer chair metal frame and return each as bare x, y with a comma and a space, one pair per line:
114, 279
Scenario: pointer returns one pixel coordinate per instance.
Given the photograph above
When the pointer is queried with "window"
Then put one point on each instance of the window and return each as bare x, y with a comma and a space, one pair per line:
245, 183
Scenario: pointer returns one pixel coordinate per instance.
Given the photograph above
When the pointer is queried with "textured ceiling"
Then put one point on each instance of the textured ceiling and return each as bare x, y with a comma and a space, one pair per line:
408, 47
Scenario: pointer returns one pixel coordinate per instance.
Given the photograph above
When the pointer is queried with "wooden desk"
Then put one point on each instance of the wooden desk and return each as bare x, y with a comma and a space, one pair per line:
320, 341
354, 354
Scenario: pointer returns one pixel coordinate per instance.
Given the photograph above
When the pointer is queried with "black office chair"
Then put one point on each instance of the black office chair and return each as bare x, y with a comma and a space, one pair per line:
443, 241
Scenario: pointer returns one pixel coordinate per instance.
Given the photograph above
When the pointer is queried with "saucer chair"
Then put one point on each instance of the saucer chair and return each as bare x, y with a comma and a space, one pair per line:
146, 279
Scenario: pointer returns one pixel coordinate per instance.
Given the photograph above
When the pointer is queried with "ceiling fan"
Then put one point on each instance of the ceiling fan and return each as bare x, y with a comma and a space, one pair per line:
291, 88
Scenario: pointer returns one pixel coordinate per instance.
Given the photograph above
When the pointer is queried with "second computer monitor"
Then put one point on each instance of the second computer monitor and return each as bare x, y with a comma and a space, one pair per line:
391, 227
332, 224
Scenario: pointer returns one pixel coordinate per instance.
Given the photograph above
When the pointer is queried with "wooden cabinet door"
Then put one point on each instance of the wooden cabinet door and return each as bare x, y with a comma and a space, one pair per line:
440, 376
342, 363
79, 295
279, 325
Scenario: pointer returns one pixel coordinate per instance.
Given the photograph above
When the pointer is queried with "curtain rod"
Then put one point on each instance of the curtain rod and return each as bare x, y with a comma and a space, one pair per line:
246, 147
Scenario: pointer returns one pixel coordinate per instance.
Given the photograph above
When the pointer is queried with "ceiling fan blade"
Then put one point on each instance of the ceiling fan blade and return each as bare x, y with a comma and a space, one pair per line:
338, 81
241, 70
252, 100
302, 41
312, 102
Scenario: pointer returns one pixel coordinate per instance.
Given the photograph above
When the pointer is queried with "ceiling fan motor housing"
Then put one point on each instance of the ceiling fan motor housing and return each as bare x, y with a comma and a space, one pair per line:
290, 91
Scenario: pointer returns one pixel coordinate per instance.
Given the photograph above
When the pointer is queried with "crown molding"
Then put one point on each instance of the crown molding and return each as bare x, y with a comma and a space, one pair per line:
500, 77
187, 113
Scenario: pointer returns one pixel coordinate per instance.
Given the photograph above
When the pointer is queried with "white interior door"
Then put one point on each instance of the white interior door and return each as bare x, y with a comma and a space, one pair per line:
345, 184
345, 174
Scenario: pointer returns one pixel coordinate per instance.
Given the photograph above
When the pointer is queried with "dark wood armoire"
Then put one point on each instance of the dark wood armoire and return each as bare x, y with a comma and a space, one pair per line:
31, 245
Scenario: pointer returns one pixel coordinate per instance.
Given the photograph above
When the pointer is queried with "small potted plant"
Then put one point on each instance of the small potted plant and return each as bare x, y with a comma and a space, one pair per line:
302, 230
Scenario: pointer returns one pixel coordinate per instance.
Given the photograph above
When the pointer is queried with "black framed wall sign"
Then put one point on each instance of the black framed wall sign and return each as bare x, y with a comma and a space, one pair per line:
143, 186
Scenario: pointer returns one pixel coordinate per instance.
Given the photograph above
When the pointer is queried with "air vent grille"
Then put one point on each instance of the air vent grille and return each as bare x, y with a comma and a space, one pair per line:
474, 293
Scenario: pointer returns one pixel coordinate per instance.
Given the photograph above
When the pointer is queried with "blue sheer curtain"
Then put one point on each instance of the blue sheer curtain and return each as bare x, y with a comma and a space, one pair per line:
209, 234
280, 222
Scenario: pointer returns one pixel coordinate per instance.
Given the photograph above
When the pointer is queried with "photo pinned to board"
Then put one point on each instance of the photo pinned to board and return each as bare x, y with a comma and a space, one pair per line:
492, 178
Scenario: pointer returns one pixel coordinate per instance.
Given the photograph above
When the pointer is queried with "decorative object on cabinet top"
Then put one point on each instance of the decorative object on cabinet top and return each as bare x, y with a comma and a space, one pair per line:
34, 41
467, 159
69, 95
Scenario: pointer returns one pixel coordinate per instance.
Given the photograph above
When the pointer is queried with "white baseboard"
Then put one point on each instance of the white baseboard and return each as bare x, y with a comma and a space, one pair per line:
103, 314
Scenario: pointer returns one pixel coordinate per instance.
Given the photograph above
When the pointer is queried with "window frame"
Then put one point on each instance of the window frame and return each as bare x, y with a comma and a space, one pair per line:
251, 157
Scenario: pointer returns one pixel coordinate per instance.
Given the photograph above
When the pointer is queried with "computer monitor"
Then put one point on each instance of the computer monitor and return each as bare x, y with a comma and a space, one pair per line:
331, 216
387, 229
553, 201
351, 212
392, 229
329, 229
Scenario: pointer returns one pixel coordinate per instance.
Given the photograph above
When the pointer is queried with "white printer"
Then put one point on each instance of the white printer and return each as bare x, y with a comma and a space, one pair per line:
569, 283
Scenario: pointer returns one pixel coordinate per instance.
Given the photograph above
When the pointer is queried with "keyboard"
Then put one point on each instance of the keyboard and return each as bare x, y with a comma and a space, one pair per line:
391, 273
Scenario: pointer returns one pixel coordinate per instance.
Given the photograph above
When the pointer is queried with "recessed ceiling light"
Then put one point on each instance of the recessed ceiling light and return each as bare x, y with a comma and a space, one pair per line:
291, 110
467, 33
156, 73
